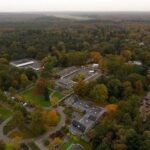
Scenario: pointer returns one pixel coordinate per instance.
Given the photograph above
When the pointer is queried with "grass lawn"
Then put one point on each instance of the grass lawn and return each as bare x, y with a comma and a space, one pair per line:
4, 113
76, 140
30, 97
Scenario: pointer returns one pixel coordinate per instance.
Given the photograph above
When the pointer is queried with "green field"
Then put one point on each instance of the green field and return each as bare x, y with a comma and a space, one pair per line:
30, 97
4, 113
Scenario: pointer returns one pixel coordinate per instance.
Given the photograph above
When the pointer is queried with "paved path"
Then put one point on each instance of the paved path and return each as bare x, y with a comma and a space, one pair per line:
39, 141
2, 135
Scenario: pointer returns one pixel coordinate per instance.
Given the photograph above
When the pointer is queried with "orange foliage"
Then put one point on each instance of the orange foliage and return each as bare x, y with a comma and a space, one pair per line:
53, 116
111, 107
95, 57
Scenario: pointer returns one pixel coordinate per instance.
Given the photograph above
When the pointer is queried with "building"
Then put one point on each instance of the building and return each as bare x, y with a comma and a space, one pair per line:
67, 75
91, 115
26, 63
138, 63
65, 84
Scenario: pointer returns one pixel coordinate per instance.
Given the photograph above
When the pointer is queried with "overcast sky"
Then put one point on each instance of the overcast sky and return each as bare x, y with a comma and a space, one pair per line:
74, 5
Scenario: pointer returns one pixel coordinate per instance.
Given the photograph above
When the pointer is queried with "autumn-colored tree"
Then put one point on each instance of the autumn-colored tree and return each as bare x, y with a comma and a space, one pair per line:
95, 57
57, 141
53, 116
40, 86
111, 107
127, 55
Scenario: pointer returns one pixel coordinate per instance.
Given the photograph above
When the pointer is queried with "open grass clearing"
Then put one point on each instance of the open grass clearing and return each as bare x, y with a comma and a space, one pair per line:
4, 113
31, 97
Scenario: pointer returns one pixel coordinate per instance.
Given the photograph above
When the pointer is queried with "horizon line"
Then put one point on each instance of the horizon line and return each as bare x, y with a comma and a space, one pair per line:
92, 11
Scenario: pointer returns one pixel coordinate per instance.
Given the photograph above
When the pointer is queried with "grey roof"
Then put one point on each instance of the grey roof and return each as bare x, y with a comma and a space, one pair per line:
78, 125
88, 120
26, 63
17, 62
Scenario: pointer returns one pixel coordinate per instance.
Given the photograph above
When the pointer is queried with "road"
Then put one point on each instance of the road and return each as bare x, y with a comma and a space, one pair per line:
4, 137
39, 140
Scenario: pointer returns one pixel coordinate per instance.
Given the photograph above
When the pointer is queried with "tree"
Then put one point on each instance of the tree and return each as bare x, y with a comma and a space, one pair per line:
3, 61
41, 84
99, 93
127, 55
19, 119
46, 93
127, 120
57, 141
2, 96
53, 117
133, 141
127, 89
16, 142
54, 100
103, 147
138, 87
114, 87
24, 79
32, 51
79, 77
80, 88
37, 124
103, 65
48, 62
95, 57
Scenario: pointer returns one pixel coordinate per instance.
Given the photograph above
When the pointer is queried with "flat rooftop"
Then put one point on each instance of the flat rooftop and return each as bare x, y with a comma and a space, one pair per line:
26, 63
88, 120
21, 61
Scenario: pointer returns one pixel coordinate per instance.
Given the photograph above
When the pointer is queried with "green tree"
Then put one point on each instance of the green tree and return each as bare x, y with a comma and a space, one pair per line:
37, 124
99, 93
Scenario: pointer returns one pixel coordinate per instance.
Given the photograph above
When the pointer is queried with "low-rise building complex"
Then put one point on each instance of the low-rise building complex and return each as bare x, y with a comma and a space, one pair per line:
27, 63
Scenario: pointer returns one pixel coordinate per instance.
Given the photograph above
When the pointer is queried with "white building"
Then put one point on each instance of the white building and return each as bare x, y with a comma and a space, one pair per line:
26, 63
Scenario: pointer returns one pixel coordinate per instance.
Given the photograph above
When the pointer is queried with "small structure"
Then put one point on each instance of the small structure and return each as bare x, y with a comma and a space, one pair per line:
26, 63
138, 63
141, 44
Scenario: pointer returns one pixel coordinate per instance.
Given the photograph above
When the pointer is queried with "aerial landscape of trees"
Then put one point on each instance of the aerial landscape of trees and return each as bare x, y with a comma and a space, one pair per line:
116, 47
